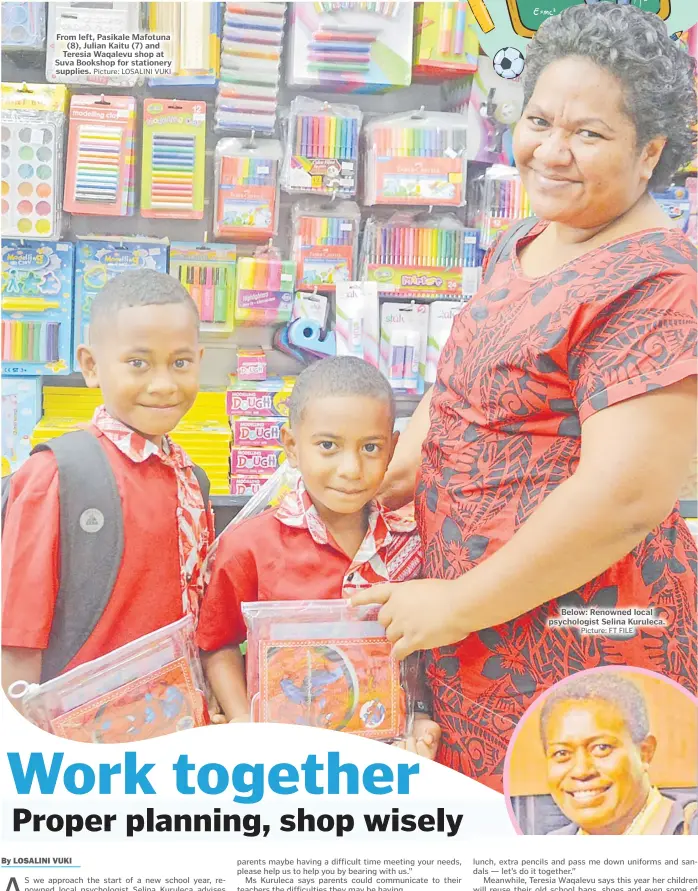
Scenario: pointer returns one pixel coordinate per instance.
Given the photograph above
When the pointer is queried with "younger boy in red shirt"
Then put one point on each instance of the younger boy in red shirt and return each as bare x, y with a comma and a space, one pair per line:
328, 538
144, 353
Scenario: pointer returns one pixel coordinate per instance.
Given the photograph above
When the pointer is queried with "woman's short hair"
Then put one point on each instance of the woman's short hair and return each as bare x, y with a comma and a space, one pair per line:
657, 75
607, 686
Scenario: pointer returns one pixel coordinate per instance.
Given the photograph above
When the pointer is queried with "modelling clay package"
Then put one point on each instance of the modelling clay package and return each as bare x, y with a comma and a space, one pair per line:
261, 460
247, 189
97, 260
323, 148
403, 347
357, 326
251, 364
326, 664
174, 159
416, 158
257, 432
100, 168
324, 243
21, 411
23, 26
207, 271
265, 284
37, 307
33, 125
259, 399
150, 687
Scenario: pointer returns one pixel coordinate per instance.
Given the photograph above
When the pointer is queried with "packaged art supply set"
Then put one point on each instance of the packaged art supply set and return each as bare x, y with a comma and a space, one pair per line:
207, 271
148, 688
502, 200
195, 43
37, 307
264, 288
357, 320
403, 345
21, 411
23, 26
33, 125
247, 189
445, 41
324, 243
326, 664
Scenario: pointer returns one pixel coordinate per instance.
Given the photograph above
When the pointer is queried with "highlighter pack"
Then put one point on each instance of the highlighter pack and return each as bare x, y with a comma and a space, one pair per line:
264, 288
207, 271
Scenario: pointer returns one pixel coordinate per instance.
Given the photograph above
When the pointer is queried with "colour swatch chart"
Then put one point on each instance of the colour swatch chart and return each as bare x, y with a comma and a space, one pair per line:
208, 274
323, 248
421, 261
324, 149
247, 191
30, 178
421, 163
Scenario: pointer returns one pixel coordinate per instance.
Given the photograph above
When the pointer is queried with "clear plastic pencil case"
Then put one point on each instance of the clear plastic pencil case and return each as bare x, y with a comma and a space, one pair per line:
324, 663
149, 687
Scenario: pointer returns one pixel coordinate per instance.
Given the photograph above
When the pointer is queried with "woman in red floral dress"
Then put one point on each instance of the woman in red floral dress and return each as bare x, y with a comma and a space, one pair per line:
561, 424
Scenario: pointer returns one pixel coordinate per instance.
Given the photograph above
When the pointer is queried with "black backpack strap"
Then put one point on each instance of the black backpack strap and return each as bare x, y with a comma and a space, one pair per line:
506, 244
91, 542
204, 483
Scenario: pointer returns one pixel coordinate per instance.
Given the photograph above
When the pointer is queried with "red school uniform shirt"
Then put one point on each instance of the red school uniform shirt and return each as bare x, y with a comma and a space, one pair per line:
289, 554
167, 531
527, 362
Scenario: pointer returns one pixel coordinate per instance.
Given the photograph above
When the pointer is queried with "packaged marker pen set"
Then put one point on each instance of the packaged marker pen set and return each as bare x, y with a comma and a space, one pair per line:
195, 46
441, 316
173, 167
326, 664
264, 288
100, 166
37, 307
148, 688
23, 26
247, 189
33, 128
428, 258
207, 271
322, 151
248, 89
503, 201
445, 40
403, 345
357, 326
21, 411
68, 17
324, 240
99, 259
416, 158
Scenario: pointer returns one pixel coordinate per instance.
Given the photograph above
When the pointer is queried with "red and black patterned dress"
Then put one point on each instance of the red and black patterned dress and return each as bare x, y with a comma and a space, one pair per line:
527, 362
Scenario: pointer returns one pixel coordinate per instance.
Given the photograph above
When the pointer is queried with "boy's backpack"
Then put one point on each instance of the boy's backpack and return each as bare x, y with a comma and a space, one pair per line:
91, 541
506, 243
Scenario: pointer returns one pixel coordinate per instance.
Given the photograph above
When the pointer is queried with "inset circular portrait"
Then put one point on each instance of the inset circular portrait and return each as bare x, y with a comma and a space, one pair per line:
610, 751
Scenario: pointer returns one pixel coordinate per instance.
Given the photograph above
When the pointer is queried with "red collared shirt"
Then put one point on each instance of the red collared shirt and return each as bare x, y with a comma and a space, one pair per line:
167, 533
289, 554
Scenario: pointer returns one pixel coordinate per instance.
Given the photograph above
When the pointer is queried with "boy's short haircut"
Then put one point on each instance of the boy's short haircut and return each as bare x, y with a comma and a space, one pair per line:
138, 287
338, 376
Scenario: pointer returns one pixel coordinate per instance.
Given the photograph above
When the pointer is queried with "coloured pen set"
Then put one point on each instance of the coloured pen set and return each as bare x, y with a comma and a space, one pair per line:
173, 166
37, 307
416, 158
385, 9
323, 243
503, 201
100, 169
247, 189
265, 286
446, 43
208, 273
323, 149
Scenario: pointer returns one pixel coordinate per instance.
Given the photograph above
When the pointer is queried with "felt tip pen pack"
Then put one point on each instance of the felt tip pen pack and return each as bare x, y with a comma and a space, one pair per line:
323, 148
431, 259
327, 664
100, 259
23, 26
174, 156
445, 40
416, 158
357, 326
247, 189
195, 42
37, 307
265, 285
100, 168
207, 271
148, 688
261, 399
503, 201
441, 316
324, 243
33, 125
403, 345
21, 411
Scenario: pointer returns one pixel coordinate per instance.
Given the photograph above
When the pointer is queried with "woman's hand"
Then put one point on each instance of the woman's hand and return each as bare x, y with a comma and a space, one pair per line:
419, 615
221, 719
424, 739
400, 479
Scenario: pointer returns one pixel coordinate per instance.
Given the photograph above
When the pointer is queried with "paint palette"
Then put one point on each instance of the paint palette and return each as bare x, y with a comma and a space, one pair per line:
30, 179
23, 25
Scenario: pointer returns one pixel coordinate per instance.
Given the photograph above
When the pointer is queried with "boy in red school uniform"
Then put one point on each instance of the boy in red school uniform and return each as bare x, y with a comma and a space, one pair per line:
144, 353
327, 538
